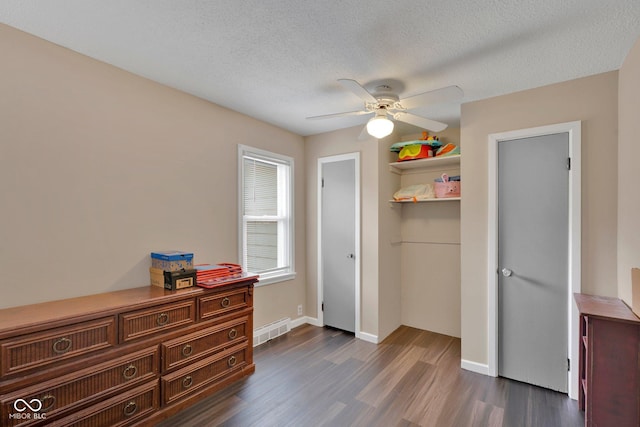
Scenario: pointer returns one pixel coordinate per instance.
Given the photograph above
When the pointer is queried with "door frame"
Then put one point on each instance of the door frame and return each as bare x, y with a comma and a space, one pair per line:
575, 227
321, 162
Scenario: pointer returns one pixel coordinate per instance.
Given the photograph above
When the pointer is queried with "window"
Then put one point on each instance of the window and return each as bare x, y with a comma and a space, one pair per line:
266, 214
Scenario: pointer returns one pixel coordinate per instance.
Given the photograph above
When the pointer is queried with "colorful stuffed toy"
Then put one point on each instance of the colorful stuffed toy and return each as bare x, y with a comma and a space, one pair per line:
415, 151
420, 149
448, 150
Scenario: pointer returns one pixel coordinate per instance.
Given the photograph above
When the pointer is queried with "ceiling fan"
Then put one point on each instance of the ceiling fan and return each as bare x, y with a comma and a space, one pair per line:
386, 104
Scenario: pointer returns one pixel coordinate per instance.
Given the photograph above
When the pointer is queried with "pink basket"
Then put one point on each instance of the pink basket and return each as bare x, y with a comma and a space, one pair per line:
447, 188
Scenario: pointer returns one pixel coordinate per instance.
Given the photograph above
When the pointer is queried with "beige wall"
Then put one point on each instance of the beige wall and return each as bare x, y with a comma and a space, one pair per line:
593, 100
99, 167
628, 171
376, 270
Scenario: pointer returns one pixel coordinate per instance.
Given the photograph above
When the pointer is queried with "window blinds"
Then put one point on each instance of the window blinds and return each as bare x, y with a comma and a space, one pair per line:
260, 188
261, 214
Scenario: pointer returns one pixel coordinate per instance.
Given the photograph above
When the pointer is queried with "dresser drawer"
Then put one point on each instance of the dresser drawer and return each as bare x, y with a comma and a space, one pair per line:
61, 394
224, 302
122, 410
43, 348
184, 350
142, 323
202, 374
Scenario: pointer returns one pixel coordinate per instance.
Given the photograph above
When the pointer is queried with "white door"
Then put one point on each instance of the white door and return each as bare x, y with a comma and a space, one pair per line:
338, 243
533, 260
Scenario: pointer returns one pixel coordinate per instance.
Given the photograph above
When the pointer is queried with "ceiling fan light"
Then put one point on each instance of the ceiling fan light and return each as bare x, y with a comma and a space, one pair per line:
379, 126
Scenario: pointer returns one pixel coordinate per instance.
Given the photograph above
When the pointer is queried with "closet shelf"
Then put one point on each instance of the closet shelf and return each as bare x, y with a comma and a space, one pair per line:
430, 163
446, 199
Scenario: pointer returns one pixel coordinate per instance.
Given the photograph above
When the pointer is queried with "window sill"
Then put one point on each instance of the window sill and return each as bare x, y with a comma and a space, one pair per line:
275, 279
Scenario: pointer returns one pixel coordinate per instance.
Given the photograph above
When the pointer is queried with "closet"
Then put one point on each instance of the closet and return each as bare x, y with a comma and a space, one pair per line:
430, 248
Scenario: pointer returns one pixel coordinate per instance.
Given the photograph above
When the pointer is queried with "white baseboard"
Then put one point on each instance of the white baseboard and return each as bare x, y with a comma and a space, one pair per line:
367, 337
313, 321
304, 320
479, 368
298, 322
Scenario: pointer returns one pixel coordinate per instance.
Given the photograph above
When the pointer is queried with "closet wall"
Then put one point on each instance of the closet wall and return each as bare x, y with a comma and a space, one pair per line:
430, 251
380, 225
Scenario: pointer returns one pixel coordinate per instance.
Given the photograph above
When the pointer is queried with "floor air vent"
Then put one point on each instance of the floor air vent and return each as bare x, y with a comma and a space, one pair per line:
271, 330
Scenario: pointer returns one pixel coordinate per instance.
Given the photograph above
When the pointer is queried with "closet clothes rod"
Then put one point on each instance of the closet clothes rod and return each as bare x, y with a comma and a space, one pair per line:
415, 242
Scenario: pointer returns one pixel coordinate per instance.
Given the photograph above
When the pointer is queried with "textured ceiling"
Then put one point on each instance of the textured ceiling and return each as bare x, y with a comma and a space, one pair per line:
278, 61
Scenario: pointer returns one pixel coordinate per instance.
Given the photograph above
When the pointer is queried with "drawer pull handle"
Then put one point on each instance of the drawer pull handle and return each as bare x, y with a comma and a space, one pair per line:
225, 302
62, 345
187, 350
187, 382
232, 361
233, 333
129, 372
49, 405
130, 408
163, 319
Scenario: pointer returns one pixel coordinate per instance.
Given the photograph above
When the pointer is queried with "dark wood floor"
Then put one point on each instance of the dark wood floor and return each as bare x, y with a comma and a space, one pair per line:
321, 377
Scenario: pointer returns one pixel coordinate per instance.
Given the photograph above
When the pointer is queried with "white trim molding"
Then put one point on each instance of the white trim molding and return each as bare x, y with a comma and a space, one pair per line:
303, 320
364, 336
575, 227
285, 217
479, 368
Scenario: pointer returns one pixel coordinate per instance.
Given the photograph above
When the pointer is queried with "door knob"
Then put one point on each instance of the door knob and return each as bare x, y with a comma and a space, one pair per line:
351, 256
506, 272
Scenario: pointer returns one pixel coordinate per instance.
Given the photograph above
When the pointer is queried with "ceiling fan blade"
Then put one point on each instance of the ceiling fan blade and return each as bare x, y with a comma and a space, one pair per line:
363, 134
421, 122
348, 113
358, 90
438, 96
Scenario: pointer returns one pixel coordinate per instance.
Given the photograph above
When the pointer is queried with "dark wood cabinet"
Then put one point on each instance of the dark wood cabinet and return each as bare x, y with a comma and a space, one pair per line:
609, 362
130, 357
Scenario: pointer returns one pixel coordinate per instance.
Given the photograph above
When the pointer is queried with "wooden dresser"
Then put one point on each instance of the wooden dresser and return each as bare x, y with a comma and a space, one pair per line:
130, 357
609, 368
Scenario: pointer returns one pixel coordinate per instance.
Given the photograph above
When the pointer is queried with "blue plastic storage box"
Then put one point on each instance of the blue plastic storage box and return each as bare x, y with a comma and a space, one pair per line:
172, 260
